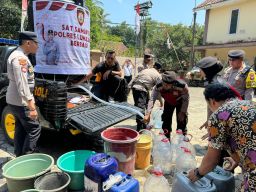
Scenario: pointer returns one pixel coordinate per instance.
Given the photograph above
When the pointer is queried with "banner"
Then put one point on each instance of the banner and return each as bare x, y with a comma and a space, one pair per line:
63, 31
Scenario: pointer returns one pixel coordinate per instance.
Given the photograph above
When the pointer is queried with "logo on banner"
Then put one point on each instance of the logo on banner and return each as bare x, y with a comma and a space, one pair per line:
80, 16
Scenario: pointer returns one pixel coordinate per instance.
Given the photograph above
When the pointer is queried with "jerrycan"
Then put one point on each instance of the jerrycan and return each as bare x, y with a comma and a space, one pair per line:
120, 182
185, 161
224, 180
182, 184
156, 182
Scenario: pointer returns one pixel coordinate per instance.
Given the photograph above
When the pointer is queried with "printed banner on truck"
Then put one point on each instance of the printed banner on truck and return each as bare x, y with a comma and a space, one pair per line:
63, 31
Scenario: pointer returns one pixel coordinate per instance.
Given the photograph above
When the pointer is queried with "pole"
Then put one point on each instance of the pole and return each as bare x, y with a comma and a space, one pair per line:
136, 53
192, 59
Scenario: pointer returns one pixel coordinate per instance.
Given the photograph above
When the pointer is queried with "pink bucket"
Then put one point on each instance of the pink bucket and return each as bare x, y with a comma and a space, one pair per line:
121, 144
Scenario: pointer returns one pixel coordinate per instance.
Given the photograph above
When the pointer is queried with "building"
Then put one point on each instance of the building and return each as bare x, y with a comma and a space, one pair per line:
229, 24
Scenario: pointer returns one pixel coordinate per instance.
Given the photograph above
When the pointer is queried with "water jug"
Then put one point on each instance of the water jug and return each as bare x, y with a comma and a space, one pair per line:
176, 140
97, 169
157, 118
224, 180
182, 184
156, 182
162, 156
186, 161
126, 183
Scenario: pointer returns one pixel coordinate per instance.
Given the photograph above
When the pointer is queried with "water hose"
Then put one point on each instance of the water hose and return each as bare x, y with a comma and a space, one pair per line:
108, 103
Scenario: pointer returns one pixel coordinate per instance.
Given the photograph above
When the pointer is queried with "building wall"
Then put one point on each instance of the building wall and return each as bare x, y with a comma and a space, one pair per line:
219, 23
221, 54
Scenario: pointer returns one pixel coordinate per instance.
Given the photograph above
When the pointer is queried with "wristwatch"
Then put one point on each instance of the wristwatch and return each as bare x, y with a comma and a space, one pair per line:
197, 174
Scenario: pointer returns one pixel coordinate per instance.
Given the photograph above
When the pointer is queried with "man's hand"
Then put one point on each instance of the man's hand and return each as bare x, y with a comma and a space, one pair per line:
106, 74
146, 118
191, 176
229, 164
33, 115
181, 116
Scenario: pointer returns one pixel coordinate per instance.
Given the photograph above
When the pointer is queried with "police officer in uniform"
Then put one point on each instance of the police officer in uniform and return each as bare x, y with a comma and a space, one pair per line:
240, 76
147, 62
176, 96
141, 85
19, 95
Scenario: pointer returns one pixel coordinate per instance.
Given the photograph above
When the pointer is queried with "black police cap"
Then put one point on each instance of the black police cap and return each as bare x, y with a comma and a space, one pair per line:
169, 77
28, 35
236, 54
207, 62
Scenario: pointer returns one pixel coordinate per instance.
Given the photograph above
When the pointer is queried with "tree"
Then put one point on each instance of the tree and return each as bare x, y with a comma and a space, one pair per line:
125, 32
10, 14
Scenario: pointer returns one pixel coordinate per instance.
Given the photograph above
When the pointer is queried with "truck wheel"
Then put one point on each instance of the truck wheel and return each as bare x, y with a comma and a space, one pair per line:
8, 124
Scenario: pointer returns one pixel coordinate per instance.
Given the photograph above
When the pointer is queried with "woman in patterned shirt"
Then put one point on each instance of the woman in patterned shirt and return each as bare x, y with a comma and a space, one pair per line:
232, 126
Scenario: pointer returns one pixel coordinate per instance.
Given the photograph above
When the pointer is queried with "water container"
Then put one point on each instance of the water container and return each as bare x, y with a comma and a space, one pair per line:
224, 180
186, 161
182, 184
157, 118
162, 156
189, 146
127, 184
156, 182
97, 169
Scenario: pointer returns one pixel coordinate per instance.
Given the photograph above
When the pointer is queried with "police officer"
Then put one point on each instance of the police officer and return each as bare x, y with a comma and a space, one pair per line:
147, 62
239, 75
51, 50
176, 96
141, 85
19, 95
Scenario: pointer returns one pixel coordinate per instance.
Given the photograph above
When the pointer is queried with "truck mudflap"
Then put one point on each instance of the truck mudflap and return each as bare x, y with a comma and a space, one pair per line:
91, 118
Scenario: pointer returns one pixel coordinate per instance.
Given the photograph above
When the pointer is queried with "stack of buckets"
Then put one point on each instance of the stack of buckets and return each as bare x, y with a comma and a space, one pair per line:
129, 148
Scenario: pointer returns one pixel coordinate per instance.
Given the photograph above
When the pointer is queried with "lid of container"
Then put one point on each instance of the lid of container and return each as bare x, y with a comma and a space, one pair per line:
101, 159
179, 131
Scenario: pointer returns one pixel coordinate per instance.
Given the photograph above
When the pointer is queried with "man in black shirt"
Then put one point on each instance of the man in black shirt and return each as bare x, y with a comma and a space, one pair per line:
108, 80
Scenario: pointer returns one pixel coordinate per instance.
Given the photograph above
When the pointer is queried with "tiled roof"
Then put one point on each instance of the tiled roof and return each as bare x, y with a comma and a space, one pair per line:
209, 2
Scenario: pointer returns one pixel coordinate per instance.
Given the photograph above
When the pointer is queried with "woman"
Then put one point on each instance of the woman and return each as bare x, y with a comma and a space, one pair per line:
232, 126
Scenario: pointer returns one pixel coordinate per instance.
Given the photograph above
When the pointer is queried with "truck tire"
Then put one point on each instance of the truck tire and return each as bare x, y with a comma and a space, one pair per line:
8, 124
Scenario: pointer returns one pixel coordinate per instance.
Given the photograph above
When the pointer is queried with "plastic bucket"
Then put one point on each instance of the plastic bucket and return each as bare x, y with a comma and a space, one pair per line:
143, 151
53, 182
72, 163
20, 173
121, 143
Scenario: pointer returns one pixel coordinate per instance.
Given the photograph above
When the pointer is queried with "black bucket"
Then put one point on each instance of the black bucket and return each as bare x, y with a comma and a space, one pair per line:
53, 182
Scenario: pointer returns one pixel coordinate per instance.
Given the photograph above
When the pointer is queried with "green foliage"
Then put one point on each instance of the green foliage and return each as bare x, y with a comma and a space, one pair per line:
125, 32
180, 37
10, 14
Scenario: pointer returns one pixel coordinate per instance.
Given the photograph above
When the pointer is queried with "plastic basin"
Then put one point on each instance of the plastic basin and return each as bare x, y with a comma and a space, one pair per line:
31, 190
53, 182
73, 163
20, 173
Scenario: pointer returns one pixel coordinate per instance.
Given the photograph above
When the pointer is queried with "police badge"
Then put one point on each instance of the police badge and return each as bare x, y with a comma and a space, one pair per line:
80, 16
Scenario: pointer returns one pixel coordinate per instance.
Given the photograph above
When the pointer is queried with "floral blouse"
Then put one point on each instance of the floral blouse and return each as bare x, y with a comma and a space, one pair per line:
233, 128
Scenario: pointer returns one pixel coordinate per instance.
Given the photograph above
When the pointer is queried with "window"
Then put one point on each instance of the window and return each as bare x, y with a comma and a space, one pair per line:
233, 23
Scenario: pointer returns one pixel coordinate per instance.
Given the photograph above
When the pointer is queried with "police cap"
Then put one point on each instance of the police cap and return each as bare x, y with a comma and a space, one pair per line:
236, 54
148, 56
50, 31
169, 76
28, 35
207, 62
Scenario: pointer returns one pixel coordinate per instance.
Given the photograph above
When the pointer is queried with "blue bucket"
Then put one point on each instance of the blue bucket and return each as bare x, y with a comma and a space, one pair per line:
72, 163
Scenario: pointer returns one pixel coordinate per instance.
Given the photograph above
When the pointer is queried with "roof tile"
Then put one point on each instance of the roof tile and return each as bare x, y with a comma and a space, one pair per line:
208, 2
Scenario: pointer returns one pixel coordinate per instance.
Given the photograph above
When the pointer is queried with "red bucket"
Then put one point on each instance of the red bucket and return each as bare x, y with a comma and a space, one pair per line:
121, 144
